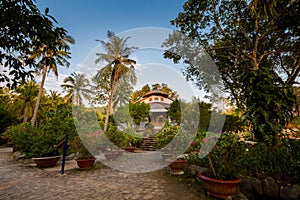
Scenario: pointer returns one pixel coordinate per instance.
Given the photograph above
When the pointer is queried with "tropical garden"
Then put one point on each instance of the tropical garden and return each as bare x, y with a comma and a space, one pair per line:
255, 46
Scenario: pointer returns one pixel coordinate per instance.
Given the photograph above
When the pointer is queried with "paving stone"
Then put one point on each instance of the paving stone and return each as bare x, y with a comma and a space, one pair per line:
20, 181
148, 197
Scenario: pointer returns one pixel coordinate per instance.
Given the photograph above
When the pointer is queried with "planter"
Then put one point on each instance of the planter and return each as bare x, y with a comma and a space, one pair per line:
120, 152
111, 155
219, 188
46, 161
167, 156
103, 149
130, 149
177, 167
85, 163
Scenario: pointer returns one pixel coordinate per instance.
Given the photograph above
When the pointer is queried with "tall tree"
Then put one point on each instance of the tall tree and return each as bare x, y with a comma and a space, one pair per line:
53, 99
118, 66
24, 99
77, 86
250, 41
22, 26
49, 55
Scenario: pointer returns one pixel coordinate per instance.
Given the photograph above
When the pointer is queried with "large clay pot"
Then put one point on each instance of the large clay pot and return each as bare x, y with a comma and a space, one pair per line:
111, 155
85, 163
130, 149
219, 188
46, 161
177, 167
166, 156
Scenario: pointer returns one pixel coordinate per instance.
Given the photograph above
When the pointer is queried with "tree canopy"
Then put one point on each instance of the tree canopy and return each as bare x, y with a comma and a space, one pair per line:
22, 27
248, 41
117, 75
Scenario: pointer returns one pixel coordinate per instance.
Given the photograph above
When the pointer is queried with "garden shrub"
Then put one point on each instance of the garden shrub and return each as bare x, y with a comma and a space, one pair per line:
282, 162
31, 141
165, 135
37, 142
124, 138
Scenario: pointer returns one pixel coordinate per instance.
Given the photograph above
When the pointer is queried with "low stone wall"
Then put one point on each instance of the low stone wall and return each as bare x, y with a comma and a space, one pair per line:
252, 188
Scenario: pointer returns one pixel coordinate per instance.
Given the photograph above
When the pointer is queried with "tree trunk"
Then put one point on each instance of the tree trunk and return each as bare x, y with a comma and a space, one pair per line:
39, 96
107, 112
110, 98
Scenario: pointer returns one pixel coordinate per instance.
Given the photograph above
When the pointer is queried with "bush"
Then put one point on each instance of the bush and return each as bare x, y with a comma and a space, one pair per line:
39, 142
281, 162
31, 141
166, 135
224, 159
231, 157
124, 139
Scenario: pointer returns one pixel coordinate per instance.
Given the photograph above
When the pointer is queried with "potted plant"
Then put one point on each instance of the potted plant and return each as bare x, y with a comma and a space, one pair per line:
223, 163
124, 139
177, 166
85, 160
38, 144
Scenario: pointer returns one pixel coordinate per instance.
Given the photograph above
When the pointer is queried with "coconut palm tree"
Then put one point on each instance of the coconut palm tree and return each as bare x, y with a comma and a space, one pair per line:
53, 99
77, 87
49, 56
118, 65
24, 99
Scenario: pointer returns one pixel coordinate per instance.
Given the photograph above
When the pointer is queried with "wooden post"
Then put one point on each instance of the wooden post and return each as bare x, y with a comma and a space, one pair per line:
64, 154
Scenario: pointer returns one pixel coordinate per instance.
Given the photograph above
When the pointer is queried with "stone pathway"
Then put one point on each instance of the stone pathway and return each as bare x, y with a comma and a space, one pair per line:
19, 181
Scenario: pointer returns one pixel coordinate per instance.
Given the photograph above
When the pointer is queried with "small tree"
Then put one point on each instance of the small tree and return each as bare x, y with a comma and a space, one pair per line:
118, 66
139, 112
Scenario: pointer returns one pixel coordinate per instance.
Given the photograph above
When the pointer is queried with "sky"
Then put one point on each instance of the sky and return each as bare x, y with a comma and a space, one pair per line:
88, 20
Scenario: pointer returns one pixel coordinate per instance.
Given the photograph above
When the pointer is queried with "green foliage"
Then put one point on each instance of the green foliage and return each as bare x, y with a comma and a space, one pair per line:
174, 112
31, 141
39, 142
270, 103
59, 122
6, 119
233, 123
78, 146
232, 158
124, 138
23, 27
243, 38
77, 86
139, 112
224, 160
136, 95
166, 135
281, 162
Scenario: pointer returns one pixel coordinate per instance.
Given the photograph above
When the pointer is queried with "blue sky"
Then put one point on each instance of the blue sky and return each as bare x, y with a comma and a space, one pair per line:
88, 20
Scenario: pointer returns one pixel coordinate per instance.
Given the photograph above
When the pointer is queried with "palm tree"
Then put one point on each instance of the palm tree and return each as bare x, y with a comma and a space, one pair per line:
49, 55
117, 64
53, 99
77, 84
24, 98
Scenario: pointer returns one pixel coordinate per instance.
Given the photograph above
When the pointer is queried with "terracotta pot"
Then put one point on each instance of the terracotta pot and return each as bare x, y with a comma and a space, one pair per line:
219, 188
177, 167
46, 161
103, 149
120, 152
85, 163
167, 156
130, 149
111, 155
